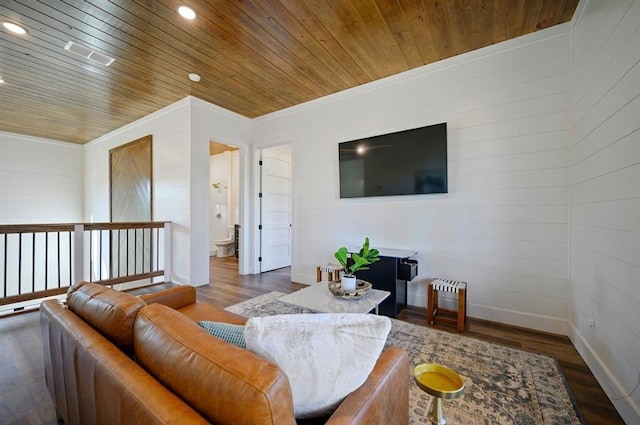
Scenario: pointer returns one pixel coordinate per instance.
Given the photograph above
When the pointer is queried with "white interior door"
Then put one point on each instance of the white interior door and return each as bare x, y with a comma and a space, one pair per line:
275, 209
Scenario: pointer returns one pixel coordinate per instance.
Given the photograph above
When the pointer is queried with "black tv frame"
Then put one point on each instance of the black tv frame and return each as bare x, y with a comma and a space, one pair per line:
408, 162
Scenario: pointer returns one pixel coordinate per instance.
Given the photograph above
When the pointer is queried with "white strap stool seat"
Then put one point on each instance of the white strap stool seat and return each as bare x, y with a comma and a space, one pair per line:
436, 314
332, 270
445, 285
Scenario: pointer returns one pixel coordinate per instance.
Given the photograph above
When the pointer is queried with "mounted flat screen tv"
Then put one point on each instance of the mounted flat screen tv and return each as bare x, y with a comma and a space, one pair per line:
409, 162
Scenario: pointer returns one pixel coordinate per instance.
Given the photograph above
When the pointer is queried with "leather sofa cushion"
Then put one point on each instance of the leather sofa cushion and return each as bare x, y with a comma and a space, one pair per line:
110, 312
211, 375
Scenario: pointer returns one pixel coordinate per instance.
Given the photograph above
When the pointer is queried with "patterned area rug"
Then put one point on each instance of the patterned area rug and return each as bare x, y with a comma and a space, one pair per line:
502, 385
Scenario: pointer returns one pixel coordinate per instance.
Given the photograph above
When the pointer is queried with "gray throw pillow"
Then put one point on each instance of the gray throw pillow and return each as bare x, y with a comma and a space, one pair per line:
233, 334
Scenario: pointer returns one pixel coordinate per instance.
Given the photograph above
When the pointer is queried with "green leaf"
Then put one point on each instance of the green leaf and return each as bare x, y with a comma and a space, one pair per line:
359, 263
360, 260
341, 256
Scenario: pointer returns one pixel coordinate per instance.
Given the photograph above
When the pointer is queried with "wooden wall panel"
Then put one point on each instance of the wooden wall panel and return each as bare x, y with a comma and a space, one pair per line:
131, 200
131, 177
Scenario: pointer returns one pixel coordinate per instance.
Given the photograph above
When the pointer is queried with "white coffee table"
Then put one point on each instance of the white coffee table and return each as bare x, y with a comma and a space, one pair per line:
319, 299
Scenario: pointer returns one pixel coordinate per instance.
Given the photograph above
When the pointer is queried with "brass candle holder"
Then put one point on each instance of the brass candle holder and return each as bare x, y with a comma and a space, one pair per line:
440, 382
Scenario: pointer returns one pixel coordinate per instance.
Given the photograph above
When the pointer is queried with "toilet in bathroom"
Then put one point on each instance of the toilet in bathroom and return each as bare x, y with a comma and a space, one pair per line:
225, 247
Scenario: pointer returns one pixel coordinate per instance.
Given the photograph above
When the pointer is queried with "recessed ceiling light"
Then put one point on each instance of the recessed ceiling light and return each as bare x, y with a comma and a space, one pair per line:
194, 77
186, 12
1, 81
14, 28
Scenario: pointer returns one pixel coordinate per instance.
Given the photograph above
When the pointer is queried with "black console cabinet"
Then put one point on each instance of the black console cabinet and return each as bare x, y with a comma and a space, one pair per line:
391, 274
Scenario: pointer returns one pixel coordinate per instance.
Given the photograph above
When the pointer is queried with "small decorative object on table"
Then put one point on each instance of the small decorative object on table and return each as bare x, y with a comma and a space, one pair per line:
361, 260
362, 287
442, 383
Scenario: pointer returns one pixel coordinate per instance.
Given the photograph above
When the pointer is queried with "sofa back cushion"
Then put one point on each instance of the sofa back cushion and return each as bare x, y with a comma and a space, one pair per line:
108, 311
225, 383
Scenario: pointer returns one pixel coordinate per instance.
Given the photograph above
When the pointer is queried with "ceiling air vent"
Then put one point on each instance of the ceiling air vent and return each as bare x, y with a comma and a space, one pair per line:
86, 52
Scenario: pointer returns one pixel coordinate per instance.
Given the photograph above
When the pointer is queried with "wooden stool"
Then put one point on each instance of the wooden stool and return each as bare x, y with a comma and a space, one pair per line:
333, 271
452, 317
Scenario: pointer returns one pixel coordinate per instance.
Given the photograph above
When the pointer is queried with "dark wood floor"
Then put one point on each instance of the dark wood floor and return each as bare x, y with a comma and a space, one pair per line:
24, 399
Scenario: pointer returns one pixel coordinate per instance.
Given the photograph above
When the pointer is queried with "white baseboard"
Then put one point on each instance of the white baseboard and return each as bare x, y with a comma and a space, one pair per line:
538, 322
626, 407
418, 300
521, 319
306, 279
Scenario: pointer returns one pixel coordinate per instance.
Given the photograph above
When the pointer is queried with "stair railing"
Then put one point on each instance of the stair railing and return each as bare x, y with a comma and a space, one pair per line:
42, 260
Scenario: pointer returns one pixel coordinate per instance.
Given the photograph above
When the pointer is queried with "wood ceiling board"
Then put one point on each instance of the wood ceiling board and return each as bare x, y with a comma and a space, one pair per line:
254, 56
257, 77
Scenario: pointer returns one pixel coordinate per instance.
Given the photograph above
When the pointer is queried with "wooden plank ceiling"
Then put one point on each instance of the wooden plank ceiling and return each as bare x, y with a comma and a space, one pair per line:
254, 56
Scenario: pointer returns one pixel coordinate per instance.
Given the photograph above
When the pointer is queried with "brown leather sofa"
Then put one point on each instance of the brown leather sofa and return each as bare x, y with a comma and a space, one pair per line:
114, 358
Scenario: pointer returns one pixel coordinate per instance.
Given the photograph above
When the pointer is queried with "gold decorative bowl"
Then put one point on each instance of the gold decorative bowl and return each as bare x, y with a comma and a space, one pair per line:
362, 287
439, 381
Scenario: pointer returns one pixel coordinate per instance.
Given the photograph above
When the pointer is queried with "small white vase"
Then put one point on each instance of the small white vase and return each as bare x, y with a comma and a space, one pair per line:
348, 283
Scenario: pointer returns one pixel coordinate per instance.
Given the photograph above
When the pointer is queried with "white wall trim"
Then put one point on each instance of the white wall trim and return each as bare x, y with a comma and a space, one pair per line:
625, 405
35, 139
548, 324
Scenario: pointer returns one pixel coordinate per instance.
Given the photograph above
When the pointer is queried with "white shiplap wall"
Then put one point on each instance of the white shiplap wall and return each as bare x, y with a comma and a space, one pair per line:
41, 180
169, 128
503, 225
605, 197
181, 134
209, 122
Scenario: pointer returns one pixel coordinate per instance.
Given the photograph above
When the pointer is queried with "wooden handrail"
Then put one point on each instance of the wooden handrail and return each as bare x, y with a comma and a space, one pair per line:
127, 225
32, 296
35, 228
68, 227
130, 278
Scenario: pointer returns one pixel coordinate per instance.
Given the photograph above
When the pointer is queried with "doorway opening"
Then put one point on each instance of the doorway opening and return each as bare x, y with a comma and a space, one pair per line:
224, 205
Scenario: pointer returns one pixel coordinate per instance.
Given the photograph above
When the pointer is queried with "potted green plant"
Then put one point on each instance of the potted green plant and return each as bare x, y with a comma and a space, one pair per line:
361, 260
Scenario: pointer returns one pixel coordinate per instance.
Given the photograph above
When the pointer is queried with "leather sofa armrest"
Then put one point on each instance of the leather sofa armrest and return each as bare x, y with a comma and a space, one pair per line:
176, 298
383, 398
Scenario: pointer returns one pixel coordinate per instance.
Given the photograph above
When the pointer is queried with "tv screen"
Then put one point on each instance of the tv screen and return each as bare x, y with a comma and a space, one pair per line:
408, 162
